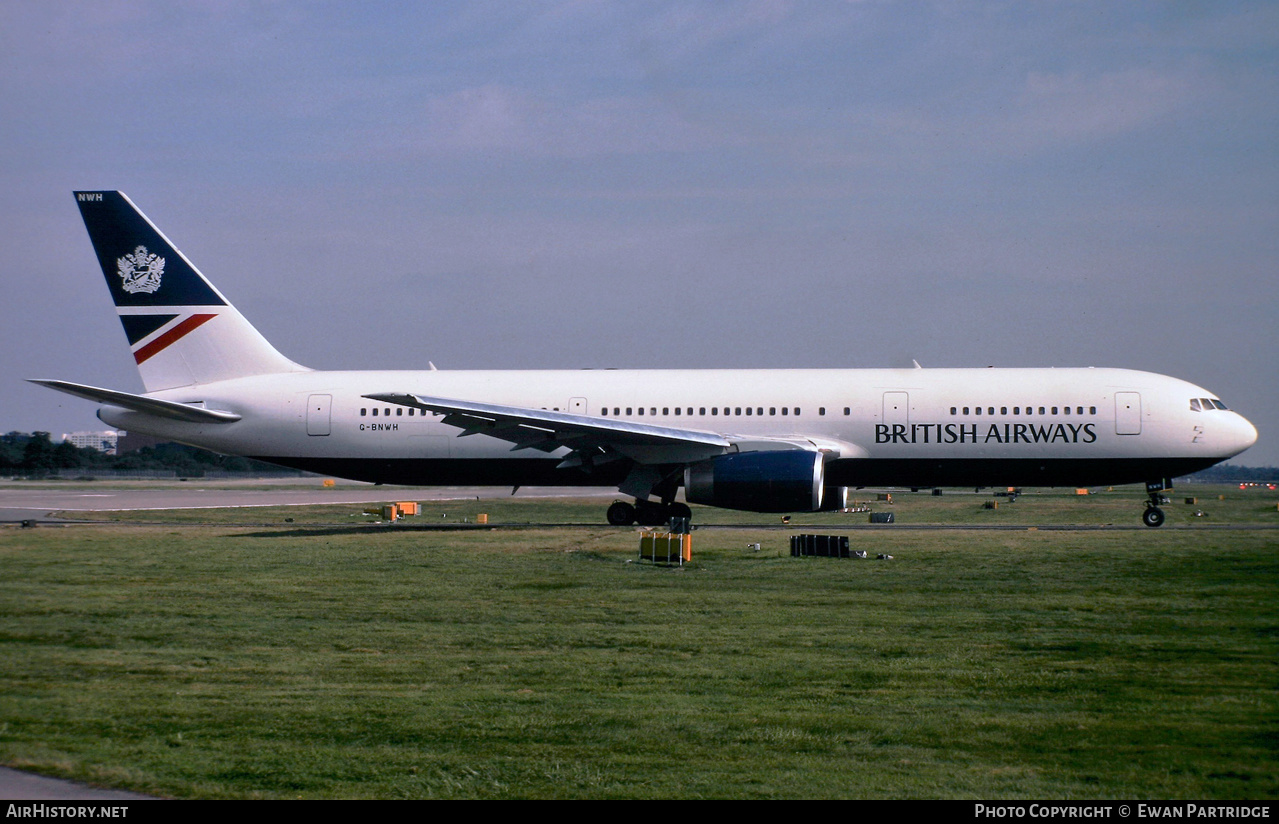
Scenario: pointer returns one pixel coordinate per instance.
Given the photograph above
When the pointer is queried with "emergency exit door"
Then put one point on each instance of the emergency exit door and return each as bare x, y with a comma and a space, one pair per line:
897, 408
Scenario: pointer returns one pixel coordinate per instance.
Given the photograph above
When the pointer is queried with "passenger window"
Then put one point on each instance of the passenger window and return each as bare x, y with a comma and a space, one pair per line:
1003, 410
1016, 410
375, 411
365, 411
848, 410
821, 410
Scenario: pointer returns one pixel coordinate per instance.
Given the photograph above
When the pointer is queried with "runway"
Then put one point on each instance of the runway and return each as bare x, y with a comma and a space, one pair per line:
36, 502
16, 785
23, 501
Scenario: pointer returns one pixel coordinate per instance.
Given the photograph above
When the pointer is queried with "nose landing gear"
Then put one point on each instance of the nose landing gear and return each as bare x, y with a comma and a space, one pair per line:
1154, 516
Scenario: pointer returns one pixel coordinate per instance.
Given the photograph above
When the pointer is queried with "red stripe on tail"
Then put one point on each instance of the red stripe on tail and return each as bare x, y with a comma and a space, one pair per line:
171, 337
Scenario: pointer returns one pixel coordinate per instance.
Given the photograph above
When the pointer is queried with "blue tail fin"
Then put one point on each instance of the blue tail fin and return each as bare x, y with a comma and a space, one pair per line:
181, 330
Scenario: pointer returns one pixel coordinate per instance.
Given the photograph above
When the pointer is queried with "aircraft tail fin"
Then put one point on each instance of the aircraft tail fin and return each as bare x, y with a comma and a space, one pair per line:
181, 329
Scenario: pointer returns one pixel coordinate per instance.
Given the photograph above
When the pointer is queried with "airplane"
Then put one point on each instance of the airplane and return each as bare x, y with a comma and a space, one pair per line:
780, 440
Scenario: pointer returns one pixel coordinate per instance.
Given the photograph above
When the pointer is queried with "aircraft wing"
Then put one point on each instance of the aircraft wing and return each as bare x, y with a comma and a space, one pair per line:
591, 439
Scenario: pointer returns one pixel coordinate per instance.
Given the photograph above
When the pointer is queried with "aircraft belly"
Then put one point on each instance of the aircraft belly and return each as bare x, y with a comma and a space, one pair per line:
998, 472
454, 471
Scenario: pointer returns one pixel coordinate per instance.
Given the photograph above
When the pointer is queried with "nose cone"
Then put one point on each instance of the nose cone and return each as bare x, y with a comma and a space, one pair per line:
1240, 434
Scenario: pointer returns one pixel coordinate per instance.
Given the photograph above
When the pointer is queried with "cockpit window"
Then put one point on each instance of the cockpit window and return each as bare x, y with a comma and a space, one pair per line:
1205, 404
1194, 405
1218, 404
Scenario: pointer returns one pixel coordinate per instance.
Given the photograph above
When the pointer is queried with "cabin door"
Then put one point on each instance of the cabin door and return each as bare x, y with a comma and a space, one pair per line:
1127, 413
317, 414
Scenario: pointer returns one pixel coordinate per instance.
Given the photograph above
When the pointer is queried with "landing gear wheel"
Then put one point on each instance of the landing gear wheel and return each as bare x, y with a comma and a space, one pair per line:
621, 514
1153, 516
646, 513
650, 515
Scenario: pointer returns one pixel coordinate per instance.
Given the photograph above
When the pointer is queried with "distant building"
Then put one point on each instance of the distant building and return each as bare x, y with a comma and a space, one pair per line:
105, 441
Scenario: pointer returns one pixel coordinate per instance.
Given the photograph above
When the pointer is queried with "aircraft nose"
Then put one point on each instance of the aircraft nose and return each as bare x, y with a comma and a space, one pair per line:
1242, 434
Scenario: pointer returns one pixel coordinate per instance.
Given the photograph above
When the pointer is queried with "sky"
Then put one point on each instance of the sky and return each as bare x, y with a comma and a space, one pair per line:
658, 184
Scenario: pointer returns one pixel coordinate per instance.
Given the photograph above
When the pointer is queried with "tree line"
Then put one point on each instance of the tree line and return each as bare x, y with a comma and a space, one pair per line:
34, 454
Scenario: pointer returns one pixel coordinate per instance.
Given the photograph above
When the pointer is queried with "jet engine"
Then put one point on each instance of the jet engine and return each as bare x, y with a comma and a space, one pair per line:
781, 481
834, 498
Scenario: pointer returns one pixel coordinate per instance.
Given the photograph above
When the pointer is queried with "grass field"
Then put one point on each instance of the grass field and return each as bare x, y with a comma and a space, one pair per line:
313, 661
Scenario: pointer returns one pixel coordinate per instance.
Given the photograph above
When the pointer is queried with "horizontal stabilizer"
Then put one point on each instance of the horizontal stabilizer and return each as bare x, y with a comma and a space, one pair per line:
141, 403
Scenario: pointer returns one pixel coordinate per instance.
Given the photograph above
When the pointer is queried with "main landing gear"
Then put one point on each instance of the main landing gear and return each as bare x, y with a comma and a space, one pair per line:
1154, 516
646, 513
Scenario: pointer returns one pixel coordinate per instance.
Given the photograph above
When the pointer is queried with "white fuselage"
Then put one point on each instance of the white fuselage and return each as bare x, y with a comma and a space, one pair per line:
906, 427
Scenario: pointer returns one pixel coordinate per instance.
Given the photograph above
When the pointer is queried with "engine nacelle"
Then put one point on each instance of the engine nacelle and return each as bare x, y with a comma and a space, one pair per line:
783, 481
834, 498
